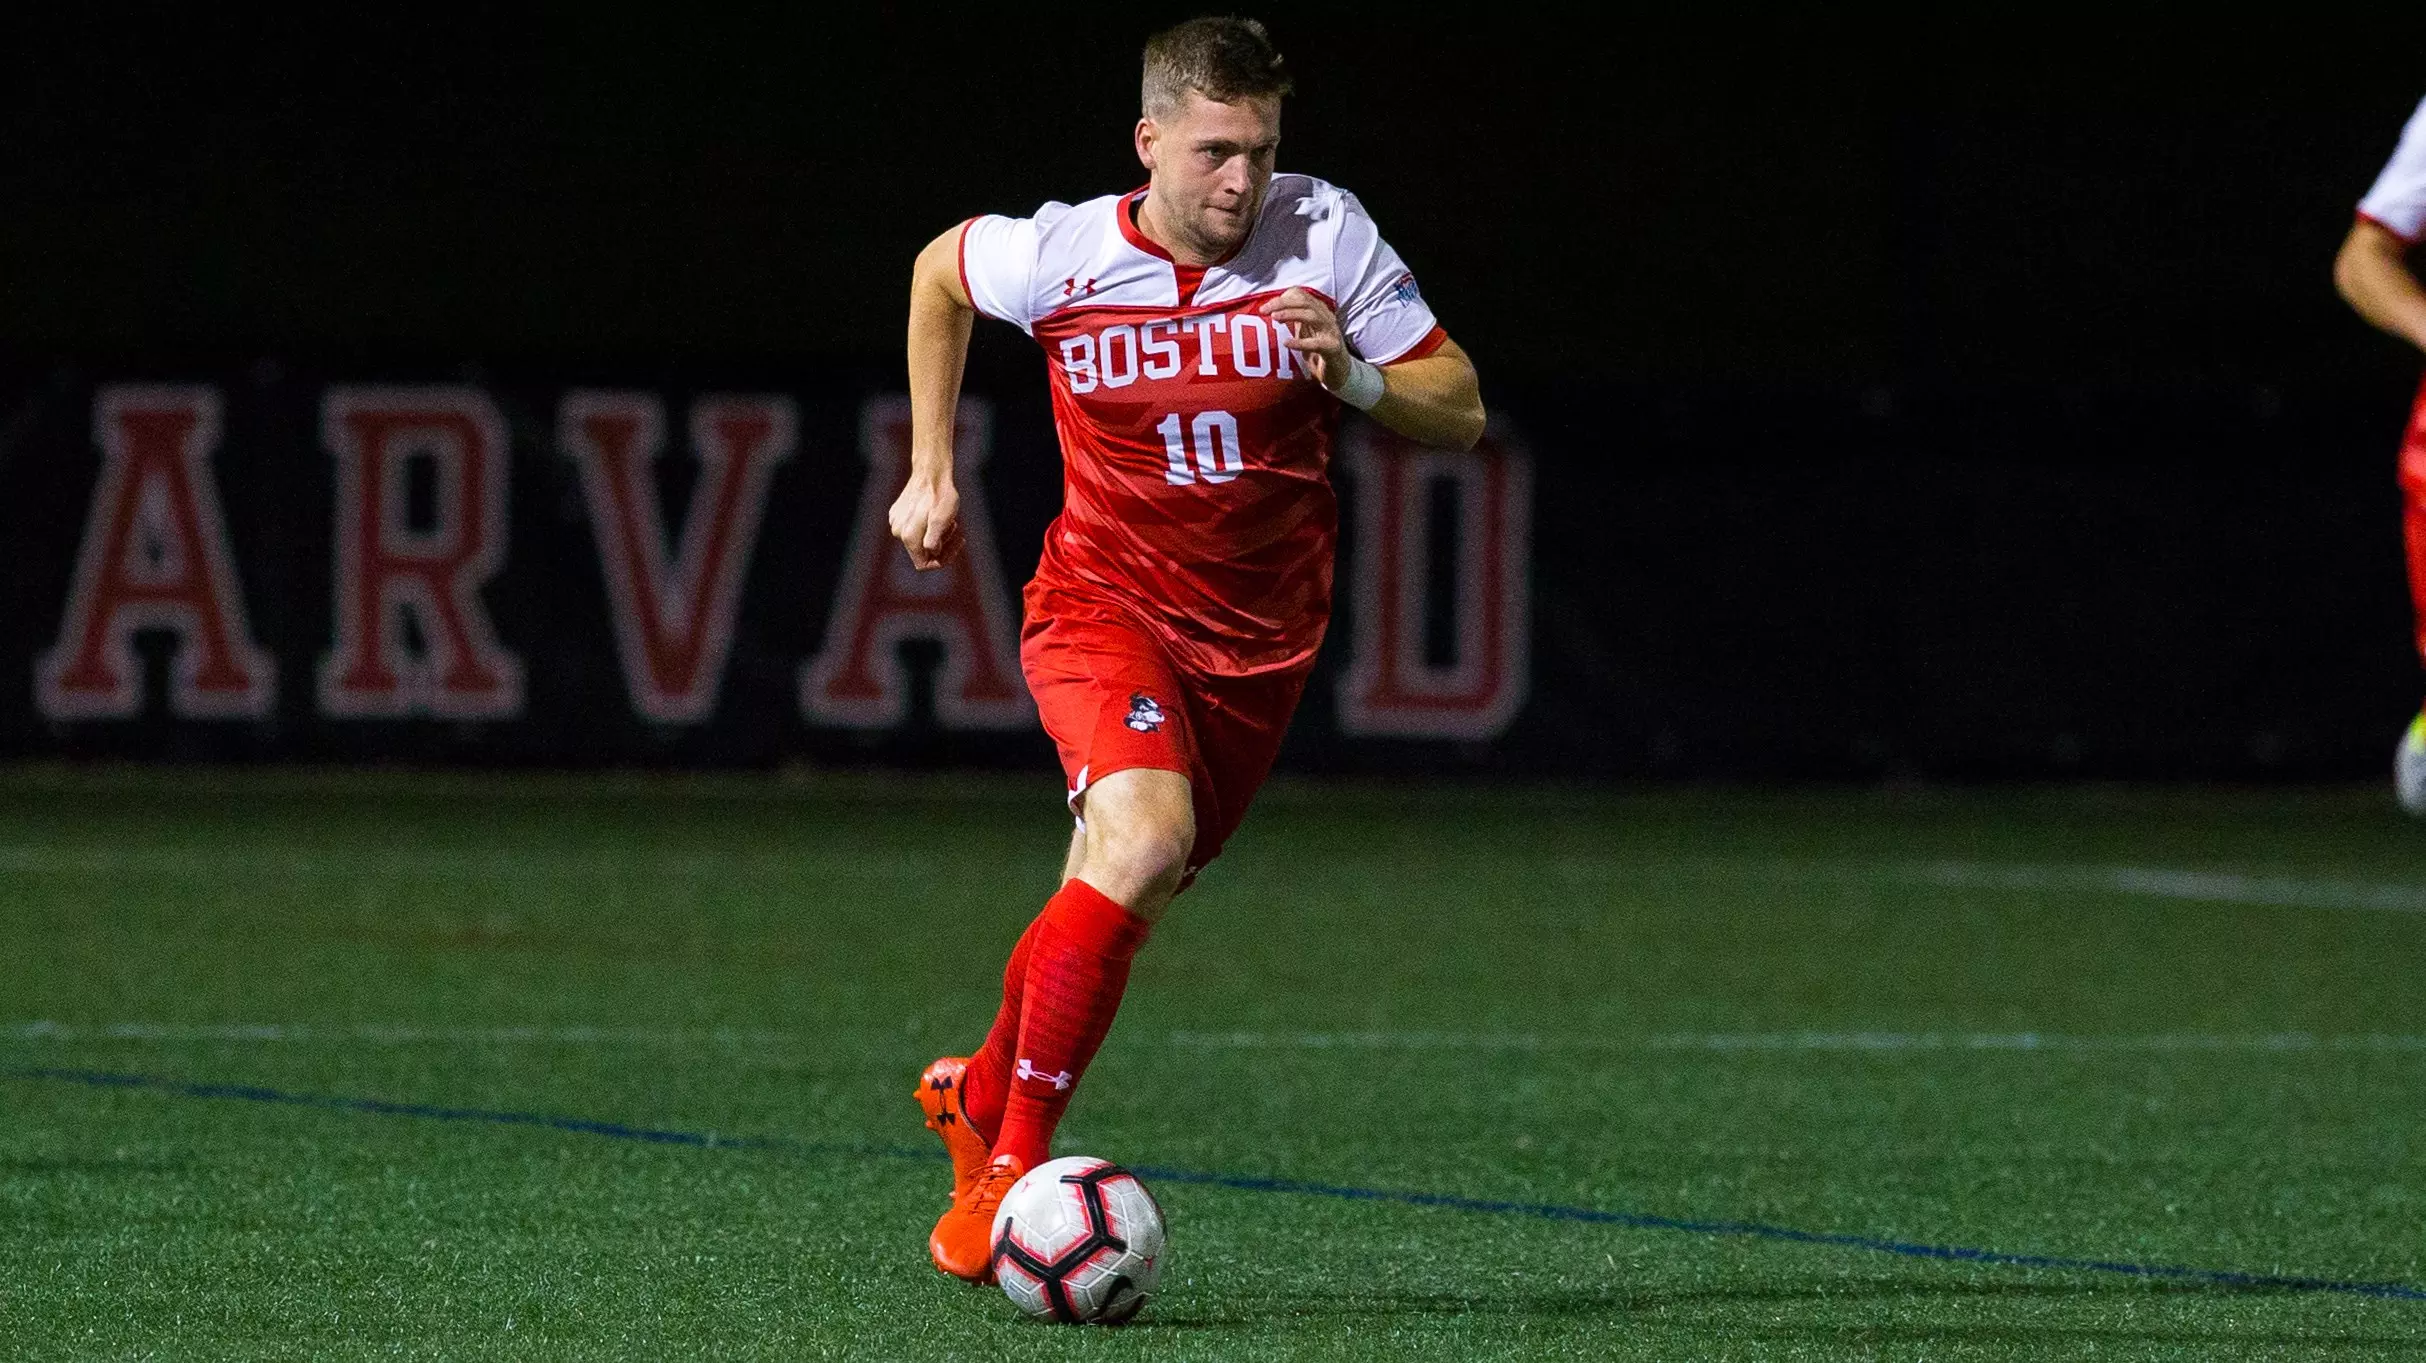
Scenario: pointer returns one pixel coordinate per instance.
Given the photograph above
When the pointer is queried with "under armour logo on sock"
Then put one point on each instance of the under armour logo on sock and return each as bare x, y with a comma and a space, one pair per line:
1028, 1070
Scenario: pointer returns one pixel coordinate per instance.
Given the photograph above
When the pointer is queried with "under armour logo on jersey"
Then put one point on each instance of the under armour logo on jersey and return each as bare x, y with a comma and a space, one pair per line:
1077, 288
1144, 715
1027, 1070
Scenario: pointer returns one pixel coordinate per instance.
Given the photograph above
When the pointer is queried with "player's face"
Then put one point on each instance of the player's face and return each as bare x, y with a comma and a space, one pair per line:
1211, 164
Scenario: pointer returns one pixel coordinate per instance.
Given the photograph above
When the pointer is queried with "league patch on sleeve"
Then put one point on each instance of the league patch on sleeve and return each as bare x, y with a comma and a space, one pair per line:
1403, 290
1145, 716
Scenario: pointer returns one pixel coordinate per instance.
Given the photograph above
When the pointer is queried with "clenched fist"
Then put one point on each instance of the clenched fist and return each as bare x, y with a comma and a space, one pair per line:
926, 519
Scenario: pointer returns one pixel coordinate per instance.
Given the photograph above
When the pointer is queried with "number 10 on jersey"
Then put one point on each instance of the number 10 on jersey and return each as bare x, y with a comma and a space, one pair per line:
1215, 436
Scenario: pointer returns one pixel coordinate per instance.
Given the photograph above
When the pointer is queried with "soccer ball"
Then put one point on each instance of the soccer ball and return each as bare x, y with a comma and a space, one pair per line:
1080, 1241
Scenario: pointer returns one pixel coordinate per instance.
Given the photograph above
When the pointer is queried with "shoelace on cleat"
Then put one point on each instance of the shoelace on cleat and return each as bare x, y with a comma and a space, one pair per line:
986, 1195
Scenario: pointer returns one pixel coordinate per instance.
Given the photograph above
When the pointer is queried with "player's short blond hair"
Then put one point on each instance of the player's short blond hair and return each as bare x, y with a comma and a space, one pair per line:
1224, 59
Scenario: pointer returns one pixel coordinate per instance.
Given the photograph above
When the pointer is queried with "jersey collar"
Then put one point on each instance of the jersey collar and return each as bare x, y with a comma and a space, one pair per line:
1190, 277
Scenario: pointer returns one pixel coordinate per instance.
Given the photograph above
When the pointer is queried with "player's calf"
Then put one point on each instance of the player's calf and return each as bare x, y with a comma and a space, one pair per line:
1078, 967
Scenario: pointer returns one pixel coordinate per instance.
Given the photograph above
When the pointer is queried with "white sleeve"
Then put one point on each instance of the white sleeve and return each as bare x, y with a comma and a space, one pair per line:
998, 267
1381, 312
2397, 203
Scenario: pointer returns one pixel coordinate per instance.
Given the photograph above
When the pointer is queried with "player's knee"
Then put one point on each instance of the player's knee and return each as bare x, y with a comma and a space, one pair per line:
1138, 841
1145, 852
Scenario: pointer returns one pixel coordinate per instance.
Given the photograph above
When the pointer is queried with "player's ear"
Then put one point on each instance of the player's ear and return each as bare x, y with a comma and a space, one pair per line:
1146, 133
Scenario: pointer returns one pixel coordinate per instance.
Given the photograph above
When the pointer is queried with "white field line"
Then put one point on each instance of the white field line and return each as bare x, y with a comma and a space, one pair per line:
2148, 882
2201, 886
404, 1034
435, 863
1758, 1042
385, 1034
2215, 887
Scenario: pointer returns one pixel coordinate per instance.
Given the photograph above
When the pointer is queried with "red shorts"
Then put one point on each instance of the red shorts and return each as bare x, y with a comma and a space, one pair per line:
1112, 700
2413, 512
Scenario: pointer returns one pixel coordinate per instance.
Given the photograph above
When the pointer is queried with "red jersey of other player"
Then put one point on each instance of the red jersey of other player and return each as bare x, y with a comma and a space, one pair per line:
1202, 335
2373, 273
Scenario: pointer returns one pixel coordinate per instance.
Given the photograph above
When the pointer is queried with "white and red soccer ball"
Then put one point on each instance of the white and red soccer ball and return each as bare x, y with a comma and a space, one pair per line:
1078, 1240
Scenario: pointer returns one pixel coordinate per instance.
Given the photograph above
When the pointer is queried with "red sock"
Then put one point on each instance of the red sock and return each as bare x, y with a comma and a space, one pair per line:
988, 1079
1078, 964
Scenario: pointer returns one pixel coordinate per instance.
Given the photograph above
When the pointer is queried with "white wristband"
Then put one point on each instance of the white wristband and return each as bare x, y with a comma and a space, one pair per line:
1363, 386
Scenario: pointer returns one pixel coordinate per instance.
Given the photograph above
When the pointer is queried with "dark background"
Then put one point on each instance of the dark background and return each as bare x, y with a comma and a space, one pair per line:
1912, 395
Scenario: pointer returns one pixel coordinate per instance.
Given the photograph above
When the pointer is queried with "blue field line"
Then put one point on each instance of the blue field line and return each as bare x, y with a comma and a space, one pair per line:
1545, 1211
380, 1107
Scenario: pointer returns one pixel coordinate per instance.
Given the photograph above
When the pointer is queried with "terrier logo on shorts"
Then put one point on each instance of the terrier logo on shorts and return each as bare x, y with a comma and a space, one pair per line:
1144, 715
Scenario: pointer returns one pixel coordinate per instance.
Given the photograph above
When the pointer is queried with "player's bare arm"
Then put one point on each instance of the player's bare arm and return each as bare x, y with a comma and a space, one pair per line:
1437, 400
926, 516
2373, 275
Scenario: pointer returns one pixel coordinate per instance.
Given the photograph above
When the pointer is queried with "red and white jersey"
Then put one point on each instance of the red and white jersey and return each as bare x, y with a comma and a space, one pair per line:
1195, 450
2397, 203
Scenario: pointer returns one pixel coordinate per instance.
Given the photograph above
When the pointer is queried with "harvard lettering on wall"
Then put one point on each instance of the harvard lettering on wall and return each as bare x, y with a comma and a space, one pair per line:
155, 557
856, 680
674, 622
522, 564
1392, 687
387, 569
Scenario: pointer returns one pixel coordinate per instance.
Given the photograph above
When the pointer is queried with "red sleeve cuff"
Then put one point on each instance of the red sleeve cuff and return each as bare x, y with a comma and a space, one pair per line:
963, 254
1432, 340
2405, 238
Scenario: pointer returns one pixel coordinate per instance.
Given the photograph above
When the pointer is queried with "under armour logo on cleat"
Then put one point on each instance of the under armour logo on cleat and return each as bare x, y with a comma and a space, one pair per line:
1029, 1071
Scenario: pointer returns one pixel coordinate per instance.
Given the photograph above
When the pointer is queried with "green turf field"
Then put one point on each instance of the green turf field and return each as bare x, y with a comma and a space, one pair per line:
2180, 1028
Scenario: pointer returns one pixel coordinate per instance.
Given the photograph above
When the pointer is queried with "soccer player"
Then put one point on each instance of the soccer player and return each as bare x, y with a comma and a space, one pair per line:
1201, 337
2373, 274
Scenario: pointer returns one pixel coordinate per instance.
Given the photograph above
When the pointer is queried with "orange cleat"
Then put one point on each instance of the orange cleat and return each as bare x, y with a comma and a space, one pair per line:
963, 1240
939, 1096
